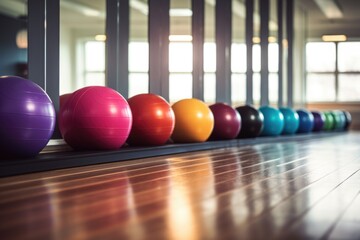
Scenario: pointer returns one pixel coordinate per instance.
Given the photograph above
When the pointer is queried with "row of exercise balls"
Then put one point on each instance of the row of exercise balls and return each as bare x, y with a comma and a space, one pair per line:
100, 118
27, 119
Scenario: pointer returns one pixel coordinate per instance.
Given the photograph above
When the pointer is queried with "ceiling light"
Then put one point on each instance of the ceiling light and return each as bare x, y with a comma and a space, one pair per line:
256, 40
330, 8
334, 38
271, 39
140, 6
100, 37
180, 38
22, 39
180, 12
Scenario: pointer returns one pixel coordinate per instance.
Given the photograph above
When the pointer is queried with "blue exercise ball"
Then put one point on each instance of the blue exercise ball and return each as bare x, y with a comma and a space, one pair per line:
273, 121
291, 120
306, 120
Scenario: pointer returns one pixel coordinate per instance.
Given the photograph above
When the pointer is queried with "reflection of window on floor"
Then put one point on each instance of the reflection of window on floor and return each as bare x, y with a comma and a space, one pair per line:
328, 81
94, 70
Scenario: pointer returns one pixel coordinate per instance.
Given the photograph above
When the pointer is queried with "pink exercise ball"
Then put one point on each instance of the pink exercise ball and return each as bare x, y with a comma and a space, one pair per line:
95, 117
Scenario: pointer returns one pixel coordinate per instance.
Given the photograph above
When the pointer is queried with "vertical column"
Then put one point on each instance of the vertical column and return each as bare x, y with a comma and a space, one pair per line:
52, 51
249, 33
290, 37
198, 9
36, 41
123, 47
281, 51
264, 45
112, 21
336, 72
159, 28
44, 52
117, 45
223, 51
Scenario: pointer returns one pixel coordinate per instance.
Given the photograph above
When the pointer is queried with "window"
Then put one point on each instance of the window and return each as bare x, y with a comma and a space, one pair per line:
94, 74
138, 68
349, 71
327, 81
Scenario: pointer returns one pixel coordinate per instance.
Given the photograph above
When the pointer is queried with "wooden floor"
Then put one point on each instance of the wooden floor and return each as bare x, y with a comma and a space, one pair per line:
294, 190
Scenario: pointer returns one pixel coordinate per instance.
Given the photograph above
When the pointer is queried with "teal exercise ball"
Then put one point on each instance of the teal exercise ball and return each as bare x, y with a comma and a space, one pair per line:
273, 121
339, 119
291, 120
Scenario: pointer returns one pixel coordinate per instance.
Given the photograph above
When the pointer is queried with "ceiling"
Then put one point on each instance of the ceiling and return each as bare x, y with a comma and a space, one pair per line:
319, 24
72, 15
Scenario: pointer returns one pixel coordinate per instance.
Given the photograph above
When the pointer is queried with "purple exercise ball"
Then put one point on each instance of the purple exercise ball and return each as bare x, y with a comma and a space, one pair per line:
27, 117
319, 121
227, 122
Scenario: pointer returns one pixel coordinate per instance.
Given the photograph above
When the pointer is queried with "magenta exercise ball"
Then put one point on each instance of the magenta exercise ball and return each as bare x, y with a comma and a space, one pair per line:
96, 118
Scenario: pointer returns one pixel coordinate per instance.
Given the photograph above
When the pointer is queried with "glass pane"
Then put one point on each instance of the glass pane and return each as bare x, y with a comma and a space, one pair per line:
238, 48
210, 88
238, 89
273, 57
180, 57
349, 56
320, 57
180, 86
256, 58
82, 23
238, 57
273, 50
273, 87
209, 57
138, 83
95, 79
94, 56
13, 39
138, 57
138, 48
349, 87
256, 88
320, 87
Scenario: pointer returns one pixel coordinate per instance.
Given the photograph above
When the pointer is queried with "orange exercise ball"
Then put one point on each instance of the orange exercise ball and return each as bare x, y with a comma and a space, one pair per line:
194, 121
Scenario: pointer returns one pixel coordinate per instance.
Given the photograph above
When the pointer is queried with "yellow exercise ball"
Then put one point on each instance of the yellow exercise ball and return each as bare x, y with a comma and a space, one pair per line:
194, 121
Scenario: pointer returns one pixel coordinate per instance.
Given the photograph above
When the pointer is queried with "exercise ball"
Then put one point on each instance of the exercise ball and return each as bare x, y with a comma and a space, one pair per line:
252, 121
329, 121
273, 121
306, 121
227, 122
291, 120
339, 119
347, 120
319, 121
27, 117
64, 98
194, 121
95, 118
153, 120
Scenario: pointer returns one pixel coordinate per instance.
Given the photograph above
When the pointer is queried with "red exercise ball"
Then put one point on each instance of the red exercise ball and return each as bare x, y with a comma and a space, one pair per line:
95, 118
153, 120
227, 122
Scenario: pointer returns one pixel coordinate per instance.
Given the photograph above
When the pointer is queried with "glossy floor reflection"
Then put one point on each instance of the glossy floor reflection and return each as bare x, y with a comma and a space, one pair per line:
294, 190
